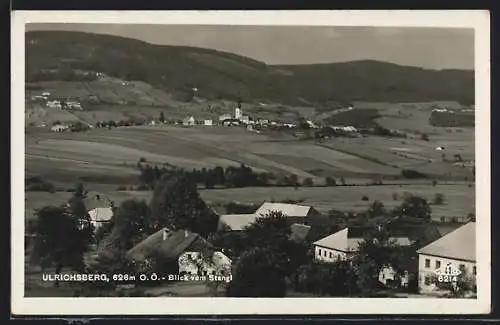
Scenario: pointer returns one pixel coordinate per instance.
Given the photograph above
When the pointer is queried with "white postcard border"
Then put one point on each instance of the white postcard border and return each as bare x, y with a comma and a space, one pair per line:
479, 20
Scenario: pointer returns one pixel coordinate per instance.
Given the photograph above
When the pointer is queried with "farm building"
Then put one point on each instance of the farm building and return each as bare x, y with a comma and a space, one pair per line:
294, 213
342, 244
224, 117
73, 105
231, 122
245, 119
188, 121
207, 122
54, 104
171, 249
100, 216
456, 249
299, 232
59, 128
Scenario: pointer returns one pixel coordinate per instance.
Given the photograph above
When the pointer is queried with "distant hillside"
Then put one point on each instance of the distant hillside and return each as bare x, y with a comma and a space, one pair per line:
224, 75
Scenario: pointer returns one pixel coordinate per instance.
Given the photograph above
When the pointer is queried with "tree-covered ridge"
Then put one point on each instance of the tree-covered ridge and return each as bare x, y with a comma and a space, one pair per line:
224, 75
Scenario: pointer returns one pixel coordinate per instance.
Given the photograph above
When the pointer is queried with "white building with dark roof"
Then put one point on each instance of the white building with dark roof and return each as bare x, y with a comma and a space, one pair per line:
344, 243
457, 248
99, 216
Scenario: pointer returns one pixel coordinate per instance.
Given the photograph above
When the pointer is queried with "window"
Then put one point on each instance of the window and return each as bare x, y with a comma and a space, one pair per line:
474, 270
319, 251
427, 263
438, 264
324, 253
331, 254
427, 280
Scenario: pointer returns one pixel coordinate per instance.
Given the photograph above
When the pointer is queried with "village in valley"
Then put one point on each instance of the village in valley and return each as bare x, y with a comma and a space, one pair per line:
184, 193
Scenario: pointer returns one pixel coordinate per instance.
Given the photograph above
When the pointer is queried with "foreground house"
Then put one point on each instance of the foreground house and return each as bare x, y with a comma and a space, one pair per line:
181, 252
345, 243
457, 248
100, 216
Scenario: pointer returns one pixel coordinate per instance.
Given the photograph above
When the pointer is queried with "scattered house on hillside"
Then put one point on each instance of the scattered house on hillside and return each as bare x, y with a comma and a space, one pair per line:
74, 105
456, 249
207, 122
224, 117
290, 125
188, 121
54, 104
152, 123
249, 127
59, 127
451, 219
100, 216
180, 251
441, 110
439, 148
245, 119
231, 122
46, 94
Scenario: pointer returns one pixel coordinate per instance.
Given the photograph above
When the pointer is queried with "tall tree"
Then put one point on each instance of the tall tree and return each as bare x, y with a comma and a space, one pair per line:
415, 207
131, 223
376, 251
176, 204
59, 239
78, 210
258, 273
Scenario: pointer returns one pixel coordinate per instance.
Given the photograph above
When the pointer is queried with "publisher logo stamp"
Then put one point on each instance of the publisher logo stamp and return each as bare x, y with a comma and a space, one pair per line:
448, 273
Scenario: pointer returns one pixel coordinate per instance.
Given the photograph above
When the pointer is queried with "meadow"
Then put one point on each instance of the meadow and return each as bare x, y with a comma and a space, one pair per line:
459, 198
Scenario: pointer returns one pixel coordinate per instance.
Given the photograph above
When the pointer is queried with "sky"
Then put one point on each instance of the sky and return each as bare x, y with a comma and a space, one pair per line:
432, 48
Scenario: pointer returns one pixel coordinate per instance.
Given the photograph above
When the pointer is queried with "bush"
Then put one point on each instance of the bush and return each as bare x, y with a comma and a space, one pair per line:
365, 198
308, 182
330, 181
121, 188
439, 198
412, 174
395, 196
424, 137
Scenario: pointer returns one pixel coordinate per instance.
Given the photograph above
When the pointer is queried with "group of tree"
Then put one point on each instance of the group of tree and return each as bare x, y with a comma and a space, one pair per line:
112, 124
62, 234
232, 176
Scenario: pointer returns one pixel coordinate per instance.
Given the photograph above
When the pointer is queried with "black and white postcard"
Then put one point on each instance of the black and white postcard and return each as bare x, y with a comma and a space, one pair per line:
317, 162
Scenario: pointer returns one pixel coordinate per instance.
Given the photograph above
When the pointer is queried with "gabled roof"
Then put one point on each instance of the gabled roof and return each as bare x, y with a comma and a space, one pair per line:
168, 245
289, 210
238, 221
337, 241
101, 214
458, 244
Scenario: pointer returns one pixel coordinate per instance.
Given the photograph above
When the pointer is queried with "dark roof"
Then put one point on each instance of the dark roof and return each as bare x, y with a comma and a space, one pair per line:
422, 234
299, 232
168, 246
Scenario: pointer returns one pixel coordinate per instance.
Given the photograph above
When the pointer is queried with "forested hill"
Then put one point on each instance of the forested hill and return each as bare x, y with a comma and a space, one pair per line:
223, 75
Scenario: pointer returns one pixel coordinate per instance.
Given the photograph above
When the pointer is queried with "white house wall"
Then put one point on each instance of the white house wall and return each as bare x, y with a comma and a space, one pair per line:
323, 254
426, 271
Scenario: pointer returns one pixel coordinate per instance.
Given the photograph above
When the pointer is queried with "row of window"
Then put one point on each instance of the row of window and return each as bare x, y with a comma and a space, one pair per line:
325, 253
438, 265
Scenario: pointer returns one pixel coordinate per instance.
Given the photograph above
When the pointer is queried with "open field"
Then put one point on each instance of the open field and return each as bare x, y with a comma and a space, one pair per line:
459, 198
115, 152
